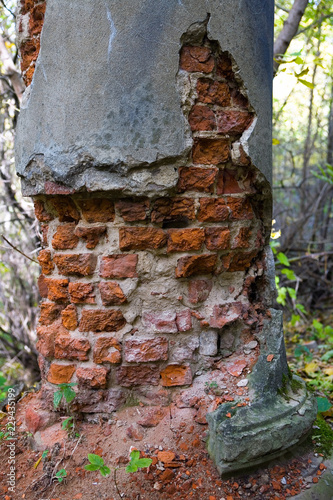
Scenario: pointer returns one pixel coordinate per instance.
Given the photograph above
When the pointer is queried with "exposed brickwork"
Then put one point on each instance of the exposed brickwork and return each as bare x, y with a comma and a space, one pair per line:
143, 294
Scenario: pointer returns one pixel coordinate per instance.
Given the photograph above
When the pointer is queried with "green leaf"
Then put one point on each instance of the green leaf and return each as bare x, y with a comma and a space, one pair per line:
275, 141
317, 325
306, 83
92, 467
67, 423
298, 60
323, 404
44, 454
289, 273
302, 73
283, 259
57, 397
292, 292
105, 471
69, 394
135, 455
301, 308
61, 474
95, 459
301, 349
143, 462
131, 467
294, 319
327, 356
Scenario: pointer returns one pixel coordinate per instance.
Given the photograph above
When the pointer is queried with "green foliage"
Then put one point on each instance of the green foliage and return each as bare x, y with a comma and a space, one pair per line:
323, 404
97, 463
136, 462
61, 474
322, 436
326, 174
64, 391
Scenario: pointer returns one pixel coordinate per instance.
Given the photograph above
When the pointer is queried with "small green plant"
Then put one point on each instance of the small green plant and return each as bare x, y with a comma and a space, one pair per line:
136, 462
68, 425
97, 463
60, 475
64, 391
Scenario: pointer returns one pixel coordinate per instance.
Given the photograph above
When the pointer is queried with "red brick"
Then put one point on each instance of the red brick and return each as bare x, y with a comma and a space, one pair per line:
239, 156
45, 261
184, 320
239, 261
224, 66
64, 238
174, 375
42, 286
57, 289
160, 322
242, 240
60, 374
69, 317
45, 231
133, 210
51, 187
202, 118
128, 376
76, 264
173, 210
240, 208
97, 210
184, 240
197, 264
93, 320
41, 213
91, 235
213, 92
199, 290
81, 293
46, 336
217, 238
196, 59
36, 19
141, 238
65, 208
236, 367
227, 183
213, 210
49, 312
210, 151
233, 121
107, 350
153, 416
196, 179
111, 294
238, 99
225, 314
71, 348
92, 377
144, 350
119, 266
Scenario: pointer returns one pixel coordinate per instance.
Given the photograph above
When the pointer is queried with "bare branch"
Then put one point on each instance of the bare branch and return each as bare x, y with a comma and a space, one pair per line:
315, 23
10, 70
17, 250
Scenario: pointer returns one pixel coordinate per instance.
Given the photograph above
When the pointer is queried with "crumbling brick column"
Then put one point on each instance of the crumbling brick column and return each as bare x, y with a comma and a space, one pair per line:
157, 280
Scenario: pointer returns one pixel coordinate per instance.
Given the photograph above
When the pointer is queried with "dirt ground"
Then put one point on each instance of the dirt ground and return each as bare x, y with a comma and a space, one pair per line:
180, 466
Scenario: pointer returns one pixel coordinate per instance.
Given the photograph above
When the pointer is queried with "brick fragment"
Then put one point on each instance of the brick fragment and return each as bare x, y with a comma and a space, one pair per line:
184, 240
97, 210
42, 286
46, 336
210, 151
160, 322
145, 350
242, 240
111, 294
64, 238
217, 238
227, 183
66, 347
240, 208
81, 293
213, 210
225, 314
199, 290
197, 264
36, 19
128, 376
239, 261
45, 261
196, 179
213, 92
49, 312
107, 350
91, 235
65, 208
224, 66
51, 187
184, 320
57, 289
41, 213
196, 59
69, 317
92, 377
76, 264
173, 210
93, 320
236, 367
202, 118
45, 231
174, 375
133, 209
233, 121
119, 266
141, 238
60, 374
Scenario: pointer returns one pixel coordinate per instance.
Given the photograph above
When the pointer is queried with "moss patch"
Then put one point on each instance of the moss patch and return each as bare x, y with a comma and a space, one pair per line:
322, 436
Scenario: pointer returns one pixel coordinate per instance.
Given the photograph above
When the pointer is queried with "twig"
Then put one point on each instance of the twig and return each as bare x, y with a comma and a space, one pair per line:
115, 481
7, 8
15, 248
